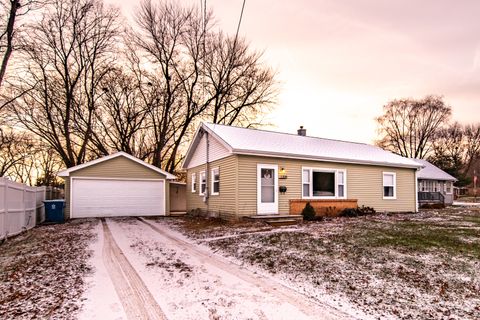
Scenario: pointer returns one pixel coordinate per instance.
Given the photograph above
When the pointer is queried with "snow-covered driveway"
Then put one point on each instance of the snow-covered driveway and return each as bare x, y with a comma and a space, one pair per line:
186, 281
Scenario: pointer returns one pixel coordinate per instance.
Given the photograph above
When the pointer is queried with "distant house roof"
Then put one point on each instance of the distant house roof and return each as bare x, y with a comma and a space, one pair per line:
268, 143
66, 172
432, 172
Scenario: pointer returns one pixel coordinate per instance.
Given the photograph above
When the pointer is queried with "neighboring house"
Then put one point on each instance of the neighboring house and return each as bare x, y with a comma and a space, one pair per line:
434, 184
237, 172
118, 185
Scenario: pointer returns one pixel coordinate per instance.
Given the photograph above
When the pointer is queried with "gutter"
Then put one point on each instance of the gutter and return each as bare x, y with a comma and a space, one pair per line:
326, 159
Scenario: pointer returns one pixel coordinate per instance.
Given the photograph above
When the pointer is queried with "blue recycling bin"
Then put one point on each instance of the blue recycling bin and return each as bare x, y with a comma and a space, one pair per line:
54, 210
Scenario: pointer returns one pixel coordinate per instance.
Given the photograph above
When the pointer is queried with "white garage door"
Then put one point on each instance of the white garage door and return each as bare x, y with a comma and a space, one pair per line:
107, 198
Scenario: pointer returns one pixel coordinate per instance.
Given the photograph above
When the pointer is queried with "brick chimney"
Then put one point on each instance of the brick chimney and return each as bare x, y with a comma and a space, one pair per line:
301, 131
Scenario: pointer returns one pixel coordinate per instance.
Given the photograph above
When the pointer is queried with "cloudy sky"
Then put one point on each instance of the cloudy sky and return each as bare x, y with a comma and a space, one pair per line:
340, 61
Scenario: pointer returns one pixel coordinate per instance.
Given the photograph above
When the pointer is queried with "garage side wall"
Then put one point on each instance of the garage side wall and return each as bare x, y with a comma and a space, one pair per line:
119, 167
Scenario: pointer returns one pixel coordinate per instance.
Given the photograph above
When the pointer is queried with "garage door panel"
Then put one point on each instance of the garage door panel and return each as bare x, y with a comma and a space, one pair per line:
105, 198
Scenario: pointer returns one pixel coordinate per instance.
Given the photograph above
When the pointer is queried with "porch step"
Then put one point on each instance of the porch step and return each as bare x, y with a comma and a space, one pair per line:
177, 214
275, 217
282, 222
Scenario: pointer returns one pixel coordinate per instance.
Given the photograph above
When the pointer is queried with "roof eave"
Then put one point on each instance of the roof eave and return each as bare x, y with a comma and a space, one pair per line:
66, 173
327, 159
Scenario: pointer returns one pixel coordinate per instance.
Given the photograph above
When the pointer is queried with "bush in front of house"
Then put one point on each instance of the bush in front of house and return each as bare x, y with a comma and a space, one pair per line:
308, 212
357, 212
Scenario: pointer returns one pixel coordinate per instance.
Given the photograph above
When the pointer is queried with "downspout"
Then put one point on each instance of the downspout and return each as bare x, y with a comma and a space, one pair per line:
207, 168
416, 190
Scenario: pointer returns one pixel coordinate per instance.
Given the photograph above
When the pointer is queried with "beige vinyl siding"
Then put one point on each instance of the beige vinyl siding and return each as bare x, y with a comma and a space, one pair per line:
363, 182
216, 151
225, 202
119, 167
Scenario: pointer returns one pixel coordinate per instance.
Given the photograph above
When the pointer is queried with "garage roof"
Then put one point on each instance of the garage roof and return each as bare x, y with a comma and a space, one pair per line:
66, 173
269, 143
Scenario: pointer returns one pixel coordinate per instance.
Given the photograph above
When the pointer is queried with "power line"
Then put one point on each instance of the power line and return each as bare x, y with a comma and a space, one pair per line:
239, 23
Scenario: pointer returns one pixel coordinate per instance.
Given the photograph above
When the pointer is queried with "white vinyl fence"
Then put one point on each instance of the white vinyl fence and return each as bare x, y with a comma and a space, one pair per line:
21, 207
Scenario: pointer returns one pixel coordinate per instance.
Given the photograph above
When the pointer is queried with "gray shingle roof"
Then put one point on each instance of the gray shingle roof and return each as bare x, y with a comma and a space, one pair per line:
262, 142
432, 172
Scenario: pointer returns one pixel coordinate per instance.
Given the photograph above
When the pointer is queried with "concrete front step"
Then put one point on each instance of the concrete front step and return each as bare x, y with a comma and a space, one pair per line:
275, 217
282, 222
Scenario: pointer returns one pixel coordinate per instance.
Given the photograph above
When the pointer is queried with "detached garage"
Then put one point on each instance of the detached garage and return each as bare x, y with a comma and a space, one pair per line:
116, 185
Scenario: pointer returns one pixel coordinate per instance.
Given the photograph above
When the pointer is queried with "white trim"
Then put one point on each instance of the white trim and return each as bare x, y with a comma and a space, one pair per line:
193, 182
330, 170
66, 173
394, 185
127, 179
451, 187
200, 193
196, 139
213, 193
263, 208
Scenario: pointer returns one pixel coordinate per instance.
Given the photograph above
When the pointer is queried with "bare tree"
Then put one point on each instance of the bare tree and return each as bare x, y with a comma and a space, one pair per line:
15, 148
456, 149
68, 52
408, 126
242, 88
199, 74
10, 12
121, 117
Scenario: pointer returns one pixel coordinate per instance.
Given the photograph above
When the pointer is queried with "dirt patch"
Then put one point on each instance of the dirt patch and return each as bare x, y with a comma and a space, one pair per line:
160, 257
42, 271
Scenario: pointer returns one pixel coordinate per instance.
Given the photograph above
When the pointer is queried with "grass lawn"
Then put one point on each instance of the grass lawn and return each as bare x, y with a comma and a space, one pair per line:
408, 266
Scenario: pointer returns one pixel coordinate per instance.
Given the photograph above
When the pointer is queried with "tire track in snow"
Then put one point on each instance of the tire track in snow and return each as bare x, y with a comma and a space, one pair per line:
136, 299
304, 304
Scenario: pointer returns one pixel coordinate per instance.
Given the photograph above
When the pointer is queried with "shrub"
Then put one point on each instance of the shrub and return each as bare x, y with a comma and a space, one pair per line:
356, 212
308, 212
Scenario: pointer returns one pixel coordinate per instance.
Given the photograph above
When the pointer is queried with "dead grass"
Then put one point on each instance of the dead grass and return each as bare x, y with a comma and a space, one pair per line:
42, 271
409, 266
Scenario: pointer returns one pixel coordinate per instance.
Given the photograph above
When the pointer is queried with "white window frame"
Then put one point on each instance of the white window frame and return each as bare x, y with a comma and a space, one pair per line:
202, 174
328, 170
213, 193
194, 182
394, 174
448, 183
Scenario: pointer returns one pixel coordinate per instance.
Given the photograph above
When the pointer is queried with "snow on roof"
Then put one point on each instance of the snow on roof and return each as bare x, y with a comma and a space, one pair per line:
432, 172
270, 143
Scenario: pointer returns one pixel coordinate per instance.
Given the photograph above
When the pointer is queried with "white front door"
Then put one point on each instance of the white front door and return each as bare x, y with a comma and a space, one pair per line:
267, 189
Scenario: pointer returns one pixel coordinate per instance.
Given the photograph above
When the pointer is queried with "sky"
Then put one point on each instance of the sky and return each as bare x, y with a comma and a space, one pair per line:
340, 61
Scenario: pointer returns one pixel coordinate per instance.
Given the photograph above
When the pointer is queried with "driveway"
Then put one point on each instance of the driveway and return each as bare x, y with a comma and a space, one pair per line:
145, 270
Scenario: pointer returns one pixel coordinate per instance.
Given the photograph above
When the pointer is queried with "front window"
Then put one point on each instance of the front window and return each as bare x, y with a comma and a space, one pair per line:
215, 181
449, 187
203, 183
194, 182
323, 183
389, 182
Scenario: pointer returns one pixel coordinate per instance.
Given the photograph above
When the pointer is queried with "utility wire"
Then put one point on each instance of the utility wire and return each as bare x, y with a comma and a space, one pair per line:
239, 23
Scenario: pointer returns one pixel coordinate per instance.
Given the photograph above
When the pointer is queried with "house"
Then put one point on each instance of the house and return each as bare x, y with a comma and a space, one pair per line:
434, 184
234, 172
118, 185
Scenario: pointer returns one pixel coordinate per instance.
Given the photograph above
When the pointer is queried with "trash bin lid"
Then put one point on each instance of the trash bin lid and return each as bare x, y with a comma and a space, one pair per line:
57, 200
